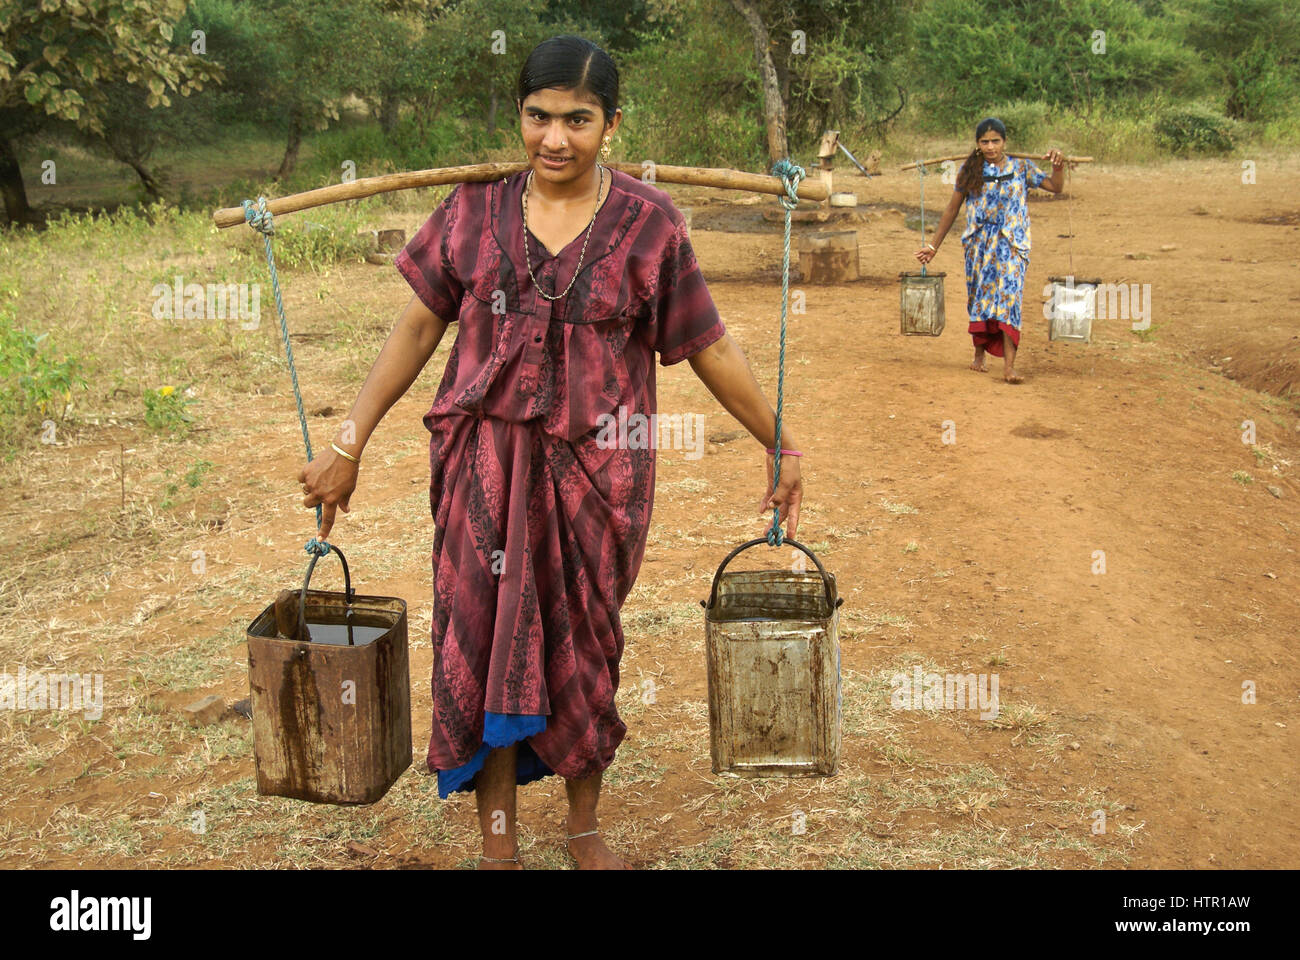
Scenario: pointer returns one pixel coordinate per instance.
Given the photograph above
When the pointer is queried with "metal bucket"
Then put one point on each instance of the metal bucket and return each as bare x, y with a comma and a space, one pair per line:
331, 720
772, 639
1071, 307
921, 304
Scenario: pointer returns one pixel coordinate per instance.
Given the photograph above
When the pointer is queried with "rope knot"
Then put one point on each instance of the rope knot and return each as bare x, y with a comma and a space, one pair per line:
258, 217
790, 174
318, 547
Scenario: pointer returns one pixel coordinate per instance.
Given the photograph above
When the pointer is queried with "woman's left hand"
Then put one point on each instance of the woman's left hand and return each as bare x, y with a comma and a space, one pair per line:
1057, 158
787, 496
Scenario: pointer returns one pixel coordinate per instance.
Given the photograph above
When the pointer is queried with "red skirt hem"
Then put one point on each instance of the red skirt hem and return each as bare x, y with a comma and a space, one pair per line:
988, 334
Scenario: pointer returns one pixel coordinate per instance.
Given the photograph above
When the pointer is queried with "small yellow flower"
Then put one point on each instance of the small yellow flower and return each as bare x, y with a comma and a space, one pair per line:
166, 391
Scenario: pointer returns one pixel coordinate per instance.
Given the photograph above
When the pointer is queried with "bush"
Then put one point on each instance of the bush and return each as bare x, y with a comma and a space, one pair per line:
374, 152
165, 409
34, 384
317, 237
1194, 129
1027, 121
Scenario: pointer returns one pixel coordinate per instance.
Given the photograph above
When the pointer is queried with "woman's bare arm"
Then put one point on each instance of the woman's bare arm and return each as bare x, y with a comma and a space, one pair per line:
1056, 182
409, 346
330, 479
722, 368
945, 224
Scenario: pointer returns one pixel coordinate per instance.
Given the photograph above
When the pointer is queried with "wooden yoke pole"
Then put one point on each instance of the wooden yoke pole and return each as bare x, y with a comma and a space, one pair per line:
826, 157
480, 172
963, 156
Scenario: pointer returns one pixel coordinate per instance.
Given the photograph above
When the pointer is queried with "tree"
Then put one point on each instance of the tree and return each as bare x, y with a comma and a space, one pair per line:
58, 56
1255, 47
472, 54
778, 144
822, 64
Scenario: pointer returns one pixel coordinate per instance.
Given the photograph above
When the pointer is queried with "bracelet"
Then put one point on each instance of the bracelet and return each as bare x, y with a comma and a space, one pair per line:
344, 454
785, 453
933, 247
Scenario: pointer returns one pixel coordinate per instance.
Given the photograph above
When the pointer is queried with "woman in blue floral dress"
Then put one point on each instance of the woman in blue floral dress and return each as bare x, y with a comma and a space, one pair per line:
996, 239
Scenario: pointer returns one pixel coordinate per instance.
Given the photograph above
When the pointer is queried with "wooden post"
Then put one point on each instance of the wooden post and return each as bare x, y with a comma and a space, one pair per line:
826, 157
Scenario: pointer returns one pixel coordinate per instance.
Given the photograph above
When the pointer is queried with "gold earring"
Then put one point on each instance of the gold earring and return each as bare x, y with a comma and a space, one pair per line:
606, 150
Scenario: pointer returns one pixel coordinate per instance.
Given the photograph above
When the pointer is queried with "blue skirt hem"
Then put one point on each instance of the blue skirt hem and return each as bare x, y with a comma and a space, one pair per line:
499, 730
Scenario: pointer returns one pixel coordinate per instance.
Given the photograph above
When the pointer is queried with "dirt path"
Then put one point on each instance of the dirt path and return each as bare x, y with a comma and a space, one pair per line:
1121, 690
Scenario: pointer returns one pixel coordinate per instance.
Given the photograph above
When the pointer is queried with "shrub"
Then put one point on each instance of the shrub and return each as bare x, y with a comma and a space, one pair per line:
1026, 122
316, 237
1194, 129
166, 409
33, 384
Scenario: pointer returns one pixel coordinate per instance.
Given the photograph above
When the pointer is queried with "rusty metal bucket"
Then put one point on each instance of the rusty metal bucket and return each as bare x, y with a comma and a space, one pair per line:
331, 718
921, 304
1070, 308
772, 639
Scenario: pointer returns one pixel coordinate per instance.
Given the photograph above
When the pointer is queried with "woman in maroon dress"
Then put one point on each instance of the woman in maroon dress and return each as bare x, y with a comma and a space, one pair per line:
564, 281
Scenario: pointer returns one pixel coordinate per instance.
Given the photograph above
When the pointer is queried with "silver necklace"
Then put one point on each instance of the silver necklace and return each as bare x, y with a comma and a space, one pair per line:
528, 258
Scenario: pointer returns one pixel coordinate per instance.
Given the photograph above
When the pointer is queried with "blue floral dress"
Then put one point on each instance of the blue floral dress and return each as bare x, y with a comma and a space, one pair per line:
996, 241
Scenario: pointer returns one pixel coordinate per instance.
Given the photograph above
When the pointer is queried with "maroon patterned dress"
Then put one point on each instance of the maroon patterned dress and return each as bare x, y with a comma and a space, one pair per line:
540, 532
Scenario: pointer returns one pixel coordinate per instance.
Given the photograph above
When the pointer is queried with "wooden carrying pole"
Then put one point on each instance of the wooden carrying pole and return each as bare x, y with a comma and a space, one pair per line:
963, 156
480, 172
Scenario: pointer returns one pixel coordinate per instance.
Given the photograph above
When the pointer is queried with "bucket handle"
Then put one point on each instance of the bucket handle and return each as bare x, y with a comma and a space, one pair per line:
348, 592
826, 580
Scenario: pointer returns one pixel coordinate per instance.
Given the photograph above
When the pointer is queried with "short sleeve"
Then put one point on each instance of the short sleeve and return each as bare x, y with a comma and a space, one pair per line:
427, 264
1034, 176
684, 316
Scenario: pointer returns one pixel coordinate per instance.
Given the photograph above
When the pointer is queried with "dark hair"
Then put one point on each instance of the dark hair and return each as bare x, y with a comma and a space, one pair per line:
970, 180
570, 62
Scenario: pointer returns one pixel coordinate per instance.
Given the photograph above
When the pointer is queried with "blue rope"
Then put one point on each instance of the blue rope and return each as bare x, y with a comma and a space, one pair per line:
920, 168
790, 174
261, 220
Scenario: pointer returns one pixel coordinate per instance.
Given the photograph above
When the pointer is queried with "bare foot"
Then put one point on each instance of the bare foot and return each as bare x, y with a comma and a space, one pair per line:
591, 854
1012, 377
979, 366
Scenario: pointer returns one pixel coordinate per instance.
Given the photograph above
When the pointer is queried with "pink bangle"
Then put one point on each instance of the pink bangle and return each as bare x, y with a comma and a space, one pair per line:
785, 453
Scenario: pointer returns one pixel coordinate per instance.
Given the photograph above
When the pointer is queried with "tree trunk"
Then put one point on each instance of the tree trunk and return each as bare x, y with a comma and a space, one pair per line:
388, 107
783, 79
492, 115
773, 106
146, 178
11, 184
291, 148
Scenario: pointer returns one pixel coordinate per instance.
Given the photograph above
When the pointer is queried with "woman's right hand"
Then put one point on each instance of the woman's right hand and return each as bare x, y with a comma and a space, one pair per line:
926, 254
328, 480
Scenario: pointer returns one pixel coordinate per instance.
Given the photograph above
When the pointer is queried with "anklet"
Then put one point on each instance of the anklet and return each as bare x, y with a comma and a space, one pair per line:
587, 834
